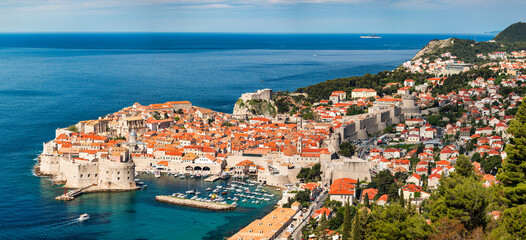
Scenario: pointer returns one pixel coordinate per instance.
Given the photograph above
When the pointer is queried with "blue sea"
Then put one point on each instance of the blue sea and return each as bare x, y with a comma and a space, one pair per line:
55, 80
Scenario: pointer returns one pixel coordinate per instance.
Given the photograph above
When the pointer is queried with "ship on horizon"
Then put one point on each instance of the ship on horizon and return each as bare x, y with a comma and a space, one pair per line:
371, 36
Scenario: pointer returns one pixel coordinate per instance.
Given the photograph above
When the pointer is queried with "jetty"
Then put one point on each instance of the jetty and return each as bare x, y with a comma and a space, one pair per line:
72, 194
212, 178
195, 204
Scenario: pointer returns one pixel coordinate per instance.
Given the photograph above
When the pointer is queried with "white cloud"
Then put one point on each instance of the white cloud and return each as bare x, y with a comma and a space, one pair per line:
204, 6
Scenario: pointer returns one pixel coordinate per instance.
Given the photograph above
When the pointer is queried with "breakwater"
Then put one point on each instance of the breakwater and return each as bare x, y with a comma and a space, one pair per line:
196, 204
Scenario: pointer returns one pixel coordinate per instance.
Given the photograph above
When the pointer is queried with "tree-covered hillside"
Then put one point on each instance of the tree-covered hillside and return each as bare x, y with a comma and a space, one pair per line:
514, 33
375, 81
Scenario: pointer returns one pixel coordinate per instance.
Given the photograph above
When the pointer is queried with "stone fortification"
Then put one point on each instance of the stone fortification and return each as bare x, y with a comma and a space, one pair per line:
258, 103
345, 168
263, 94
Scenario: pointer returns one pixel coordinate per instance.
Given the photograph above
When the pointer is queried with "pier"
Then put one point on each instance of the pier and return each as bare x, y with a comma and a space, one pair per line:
72, 194
195, 204
212, 178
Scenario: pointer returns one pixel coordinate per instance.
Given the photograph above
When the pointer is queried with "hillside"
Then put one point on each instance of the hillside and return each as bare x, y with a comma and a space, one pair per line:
434, 46
514, 33
375, 81
466, 50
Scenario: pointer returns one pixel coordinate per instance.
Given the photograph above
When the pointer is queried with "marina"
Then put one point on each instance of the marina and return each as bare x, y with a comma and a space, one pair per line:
226, 192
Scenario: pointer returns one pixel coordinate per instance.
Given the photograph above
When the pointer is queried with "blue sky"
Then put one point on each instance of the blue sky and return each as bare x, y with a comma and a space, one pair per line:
289, 16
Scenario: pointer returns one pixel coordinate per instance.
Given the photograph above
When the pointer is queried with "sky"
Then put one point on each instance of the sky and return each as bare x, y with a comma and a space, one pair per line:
260, 16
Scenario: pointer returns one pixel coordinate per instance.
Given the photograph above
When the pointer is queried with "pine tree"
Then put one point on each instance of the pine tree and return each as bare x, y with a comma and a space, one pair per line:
464, 166
513, 172
366, 200
347, 222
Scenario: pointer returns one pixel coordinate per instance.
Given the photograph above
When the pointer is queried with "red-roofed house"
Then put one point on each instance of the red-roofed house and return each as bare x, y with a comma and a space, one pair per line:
343, 189
370, 192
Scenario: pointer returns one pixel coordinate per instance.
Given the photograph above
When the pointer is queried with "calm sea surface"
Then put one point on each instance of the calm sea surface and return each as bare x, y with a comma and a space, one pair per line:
54, 80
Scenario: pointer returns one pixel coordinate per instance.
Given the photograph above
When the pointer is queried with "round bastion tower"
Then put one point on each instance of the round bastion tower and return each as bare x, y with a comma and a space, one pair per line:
117, 175
409, 107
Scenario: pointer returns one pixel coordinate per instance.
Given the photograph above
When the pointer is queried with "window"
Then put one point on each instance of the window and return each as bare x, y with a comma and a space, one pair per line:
118, 178
95, 175
80, 175
89, 175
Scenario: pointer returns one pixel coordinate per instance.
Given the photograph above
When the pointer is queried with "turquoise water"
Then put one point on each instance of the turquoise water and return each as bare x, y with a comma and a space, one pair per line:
136, 215
54, 80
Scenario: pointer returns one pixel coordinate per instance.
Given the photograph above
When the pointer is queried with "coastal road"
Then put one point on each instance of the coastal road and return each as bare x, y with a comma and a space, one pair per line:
296, 235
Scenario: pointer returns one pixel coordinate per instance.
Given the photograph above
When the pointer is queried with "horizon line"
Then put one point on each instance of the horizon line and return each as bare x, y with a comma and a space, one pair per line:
161, 32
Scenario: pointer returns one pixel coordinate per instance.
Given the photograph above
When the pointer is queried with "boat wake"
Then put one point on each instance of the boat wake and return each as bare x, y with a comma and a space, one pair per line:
57, 229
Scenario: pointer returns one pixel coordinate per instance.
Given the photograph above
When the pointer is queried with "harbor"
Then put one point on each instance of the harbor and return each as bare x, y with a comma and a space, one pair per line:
225, 192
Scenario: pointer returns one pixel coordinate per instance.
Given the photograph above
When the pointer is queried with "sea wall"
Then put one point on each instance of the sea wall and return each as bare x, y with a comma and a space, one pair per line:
195, 204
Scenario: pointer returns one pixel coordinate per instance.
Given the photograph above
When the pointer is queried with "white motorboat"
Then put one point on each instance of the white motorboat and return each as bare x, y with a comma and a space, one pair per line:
190, 192
83, 217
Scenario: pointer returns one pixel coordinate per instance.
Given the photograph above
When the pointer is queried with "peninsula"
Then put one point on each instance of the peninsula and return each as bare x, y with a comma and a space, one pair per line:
433, 144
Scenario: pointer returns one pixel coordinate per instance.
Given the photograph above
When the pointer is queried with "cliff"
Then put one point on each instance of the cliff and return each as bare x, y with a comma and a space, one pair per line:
254, 107
433, 46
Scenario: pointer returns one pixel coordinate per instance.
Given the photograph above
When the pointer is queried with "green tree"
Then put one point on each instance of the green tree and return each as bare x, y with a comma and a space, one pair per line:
460, 197
513, 220
395, 222
321, 232
464, 167
512, 175
385, 183
366, 200
357, 228
490, 163
347, 222
73, 128
310, 174
402, 200
354, 110
303, 197
347, 149
476, 157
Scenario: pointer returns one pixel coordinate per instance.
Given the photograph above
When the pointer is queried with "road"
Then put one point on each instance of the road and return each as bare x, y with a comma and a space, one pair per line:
296, 235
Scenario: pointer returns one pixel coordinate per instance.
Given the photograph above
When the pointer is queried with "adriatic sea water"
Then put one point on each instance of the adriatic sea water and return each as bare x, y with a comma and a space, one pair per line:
54, 80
